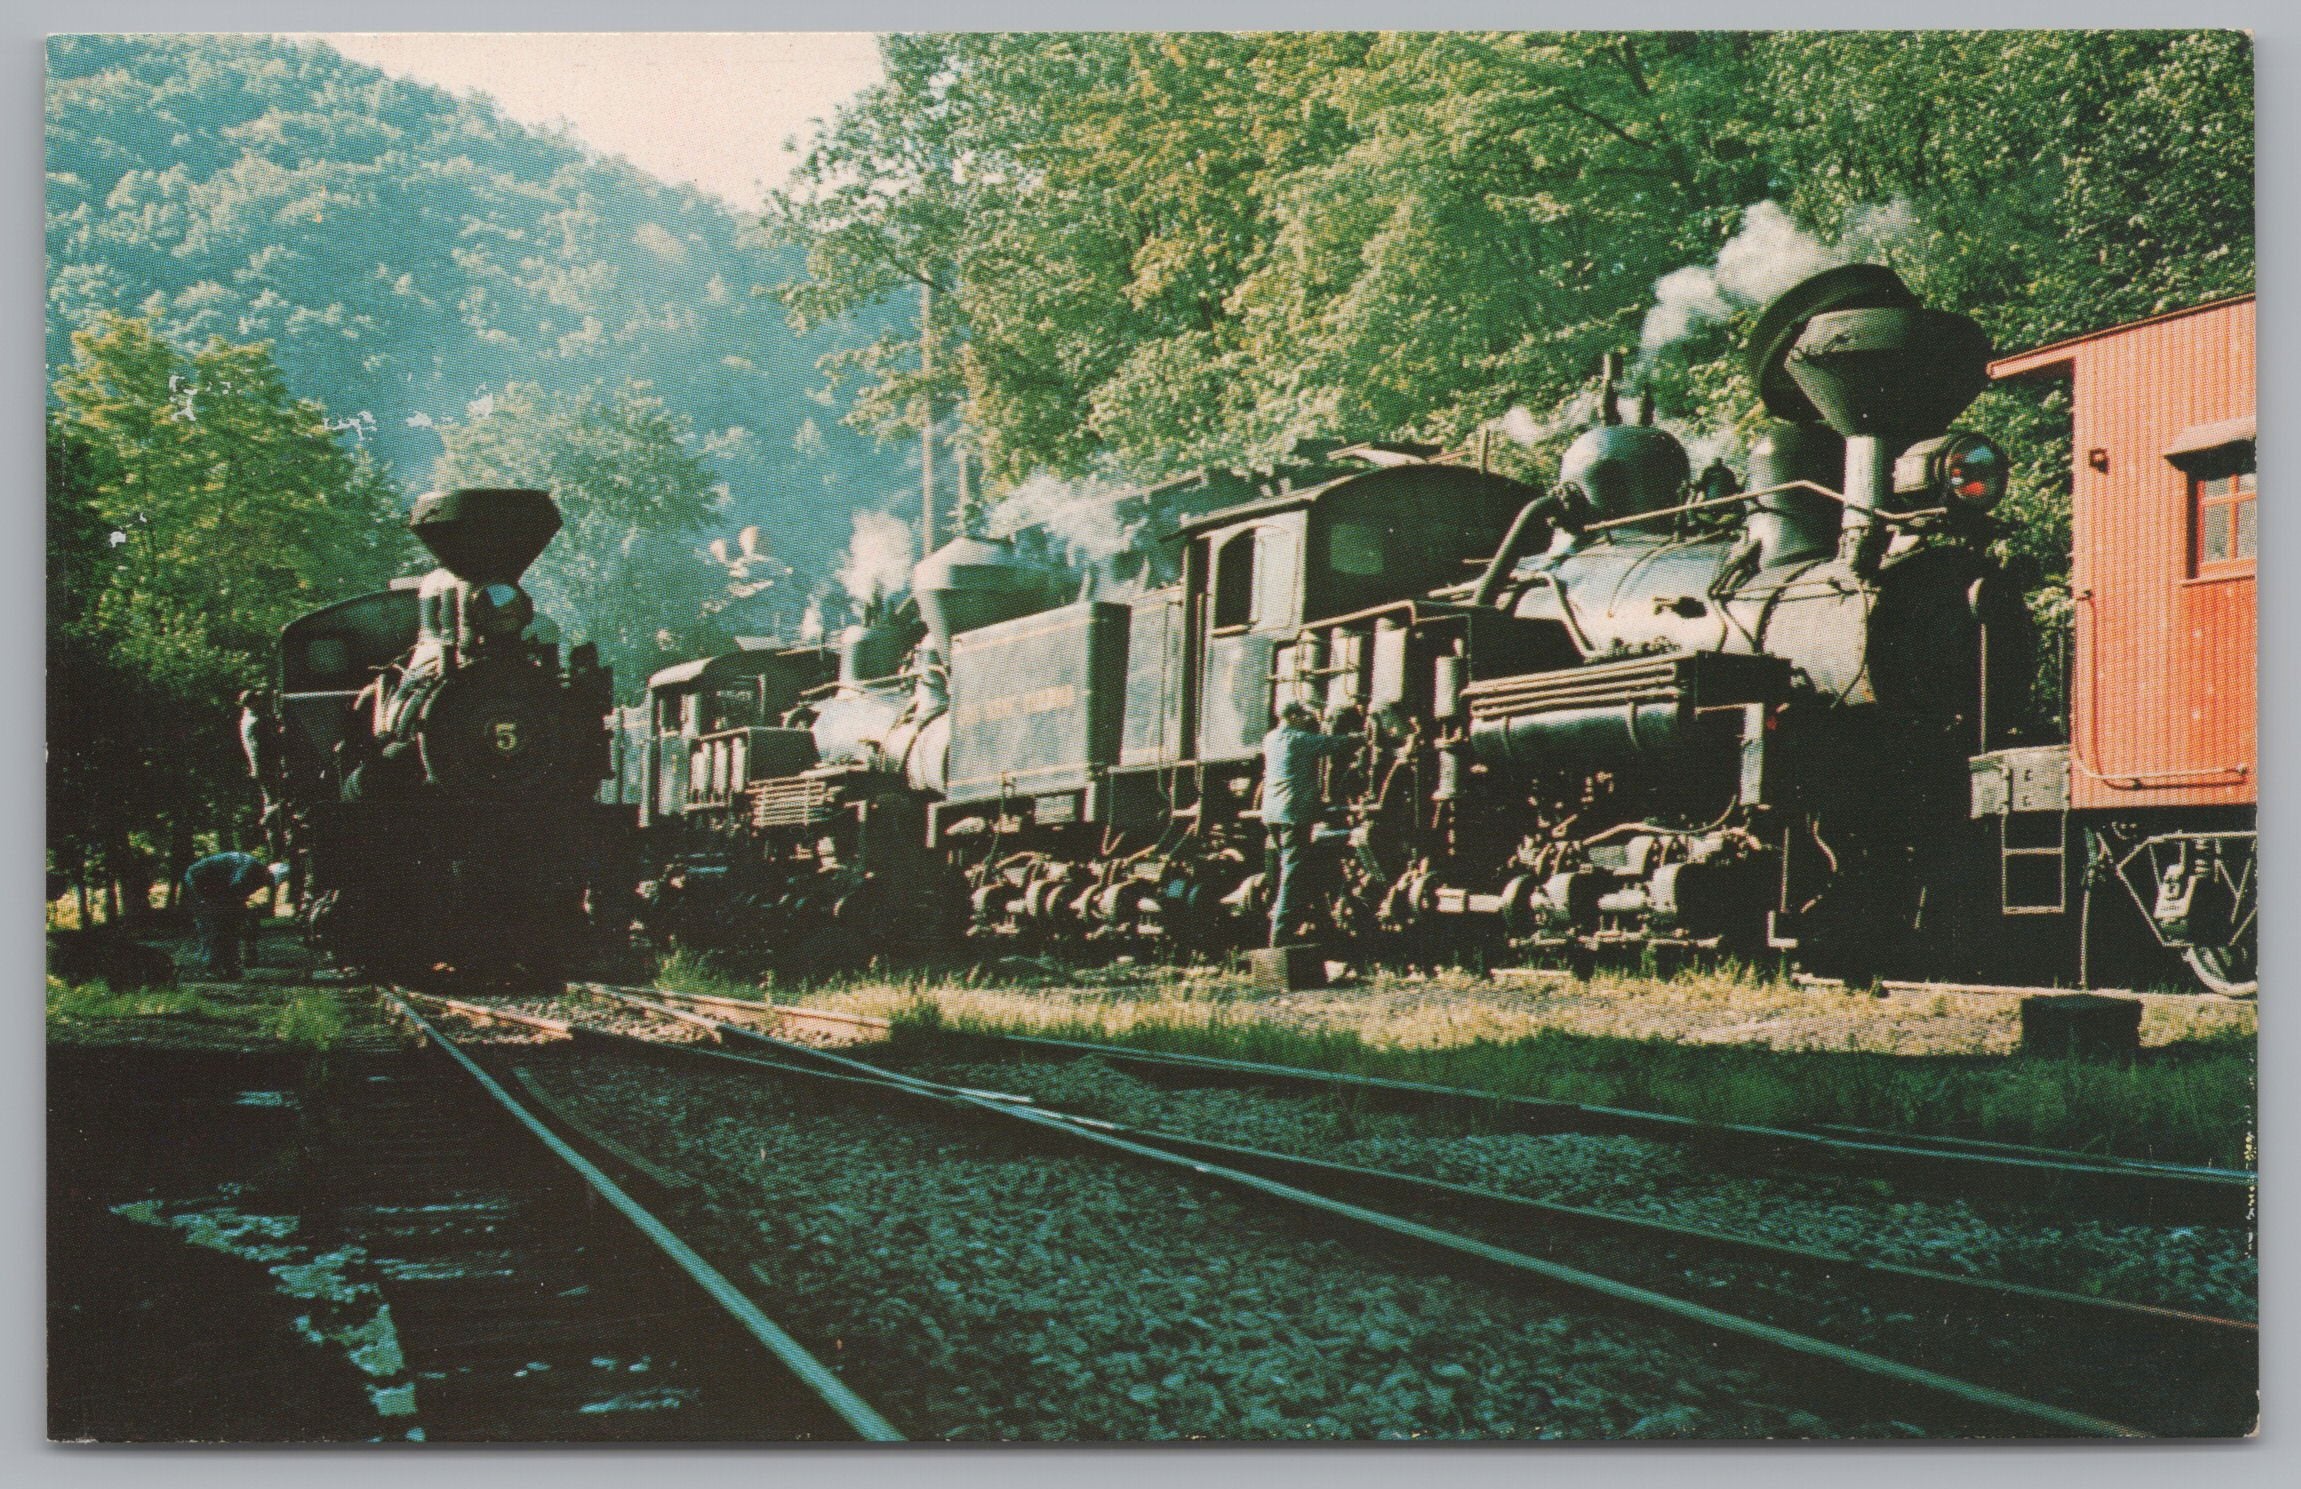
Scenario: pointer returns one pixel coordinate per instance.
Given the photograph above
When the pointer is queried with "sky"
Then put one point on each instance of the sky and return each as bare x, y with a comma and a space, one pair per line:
708, 108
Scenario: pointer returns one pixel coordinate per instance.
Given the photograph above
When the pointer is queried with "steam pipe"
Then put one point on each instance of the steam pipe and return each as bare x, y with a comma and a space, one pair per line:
1869, 492
1540, 513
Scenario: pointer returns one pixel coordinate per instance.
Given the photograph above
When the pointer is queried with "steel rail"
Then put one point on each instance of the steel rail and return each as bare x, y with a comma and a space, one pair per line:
1829, 1130
788, 1352
1511, 1267
2218, 1195
1344, 1180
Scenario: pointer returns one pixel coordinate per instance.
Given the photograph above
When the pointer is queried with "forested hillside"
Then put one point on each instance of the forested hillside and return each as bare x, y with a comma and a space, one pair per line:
405, 253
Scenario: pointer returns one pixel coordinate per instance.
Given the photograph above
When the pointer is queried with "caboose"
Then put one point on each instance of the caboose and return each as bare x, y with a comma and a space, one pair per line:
2148, 805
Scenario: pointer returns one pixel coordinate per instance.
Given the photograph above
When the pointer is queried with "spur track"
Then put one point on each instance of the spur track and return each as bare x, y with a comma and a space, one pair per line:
1922, 1163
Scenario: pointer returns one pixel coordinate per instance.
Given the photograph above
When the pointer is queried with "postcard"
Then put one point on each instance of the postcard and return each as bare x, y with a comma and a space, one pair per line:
1132, 737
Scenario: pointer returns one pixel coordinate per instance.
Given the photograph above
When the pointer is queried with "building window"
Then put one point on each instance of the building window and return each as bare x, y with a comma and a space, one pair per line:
2225, 522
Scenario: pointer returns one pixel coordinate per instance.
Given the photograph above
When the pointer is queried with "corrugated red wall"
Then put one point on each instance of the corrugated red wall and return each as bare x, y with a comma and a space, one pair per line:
2162, 681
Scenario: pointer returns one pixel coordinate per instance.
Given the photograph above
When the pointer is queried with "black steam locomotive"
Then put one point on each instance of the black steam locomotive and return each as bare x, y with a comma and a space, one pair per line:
1640, 710
436, 760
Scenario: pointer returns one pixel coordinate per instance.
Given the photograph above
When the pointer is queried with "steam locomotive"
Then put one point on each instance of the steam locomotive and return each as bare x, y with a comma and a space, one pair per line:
436, 762
1640, 710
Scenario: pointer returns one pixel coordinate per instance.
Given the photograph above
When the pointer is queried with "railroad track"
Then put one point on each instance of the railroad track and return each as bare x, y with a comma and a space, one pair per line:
803, 1373
1498, 1237
1961, 1167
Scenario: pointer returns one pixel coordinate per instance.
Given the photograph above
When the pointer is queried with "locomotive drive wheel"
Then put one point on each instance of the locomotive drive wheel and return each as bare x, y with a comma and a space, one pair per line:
2232, 971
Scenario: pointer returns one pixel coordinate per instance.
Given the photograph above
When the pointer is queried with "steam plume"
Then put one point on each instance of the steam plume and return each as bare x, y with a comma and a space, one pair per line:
1769, 255
877, 562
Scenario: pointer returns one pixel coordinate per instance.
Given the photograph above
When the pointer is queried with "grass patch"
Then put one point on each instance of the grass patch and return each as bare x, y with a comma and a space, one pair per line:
689, 971
1719, 1043
93, 1002
312, 1019
307, 1018
2192, 1103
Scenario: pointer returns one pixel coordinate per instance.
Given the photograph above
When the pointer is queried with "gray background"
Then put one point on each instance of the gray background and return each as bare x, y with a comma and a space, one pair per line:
2274, 1459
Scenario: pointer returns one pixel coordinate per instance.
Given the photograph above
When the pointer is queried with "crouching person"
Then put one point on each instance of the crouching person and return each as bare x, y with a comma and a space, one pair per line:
216, 892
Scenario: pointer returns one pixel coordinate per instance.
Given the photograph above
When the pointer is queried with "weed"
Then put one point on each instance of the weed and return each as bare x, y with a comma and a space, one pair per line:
313, 1019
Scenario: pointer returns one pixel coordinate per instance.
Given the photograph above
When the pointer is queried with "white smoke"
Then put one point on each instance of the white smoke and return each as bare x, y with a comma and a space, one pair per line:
1529, 429
1770, 254
1706, 445
811, 624
877, 562
1080, 518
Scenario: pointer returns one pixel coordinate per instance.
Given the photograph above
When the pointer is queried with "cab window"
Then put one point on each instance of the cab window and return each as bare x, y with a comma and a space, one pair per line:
1234, 580
2225, 521
1355, 549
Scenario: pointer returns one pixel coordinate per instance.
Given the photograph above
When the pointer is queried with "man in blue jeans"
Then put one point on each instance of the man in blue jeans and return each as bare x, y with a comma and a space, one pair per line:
1290, 756
217, 890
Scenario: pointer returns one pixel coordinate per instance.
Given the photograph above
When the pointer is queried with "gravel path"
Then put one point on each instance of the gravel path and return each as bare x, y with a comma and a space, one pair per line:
2207, 1268
975, 1290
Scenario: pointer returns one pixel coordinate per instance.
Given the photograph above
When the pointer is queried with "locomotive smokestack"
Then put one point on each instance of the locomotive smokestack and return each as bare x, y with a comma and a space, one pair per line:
1852, 348
485, 535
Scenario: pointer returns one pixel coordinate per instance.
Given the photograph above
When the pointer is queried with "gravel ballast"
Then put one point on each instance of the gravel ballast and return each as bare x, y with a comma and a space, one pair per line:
973, 1289
2209, 1269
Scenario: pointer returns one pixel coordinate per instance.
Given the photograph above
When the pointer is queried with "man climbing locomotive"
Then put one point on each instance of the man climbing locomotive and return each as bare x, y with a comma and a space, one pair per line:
1290, 810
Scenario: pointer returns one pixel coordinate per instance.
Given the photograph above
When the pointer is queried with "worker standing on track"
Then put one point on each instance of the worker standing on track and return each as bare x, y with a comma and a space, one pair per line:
1290, 803
217, 889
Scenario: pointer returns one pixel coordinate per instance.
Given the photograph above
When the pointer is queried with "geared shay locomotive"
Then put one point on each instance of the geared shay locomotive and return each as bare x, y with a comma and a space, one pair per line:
1645, 710
437, 760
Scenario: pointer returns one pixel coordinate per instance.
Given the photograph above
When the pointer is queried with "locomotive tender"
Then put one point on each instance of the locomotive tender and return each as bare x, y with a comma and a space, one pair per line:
438, 759
1630, 712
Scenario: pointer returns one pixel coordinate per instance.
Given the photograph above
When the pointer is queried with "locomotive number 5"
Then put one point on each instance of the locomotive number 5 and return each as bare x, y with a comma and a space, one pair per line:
507, 736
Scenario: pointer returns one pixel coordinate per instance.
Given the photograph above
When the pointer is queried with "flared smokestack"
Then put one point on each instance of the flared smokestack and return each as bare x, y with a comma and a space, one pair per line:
485, 535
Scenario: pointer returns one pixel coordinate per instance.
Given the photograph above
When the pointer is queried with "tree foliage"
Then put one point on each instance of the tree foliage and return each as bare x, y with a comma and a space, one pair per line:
629, 570
1157, 250
194, 507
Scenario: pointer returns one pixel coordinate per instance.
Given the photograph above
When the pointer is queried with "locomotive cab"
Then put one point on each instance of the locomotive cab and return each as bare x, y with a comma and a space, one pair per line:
1263, 571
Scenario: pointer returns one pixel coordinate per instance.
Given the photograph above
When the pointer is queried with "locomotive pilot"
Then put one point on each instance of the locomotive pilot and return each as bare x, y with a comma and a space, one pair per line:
1290, 803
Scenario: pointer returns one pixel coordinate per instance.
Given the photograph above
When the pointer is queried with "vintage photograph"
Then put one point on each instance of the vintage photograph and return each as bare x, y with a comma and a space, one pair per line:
1082, 737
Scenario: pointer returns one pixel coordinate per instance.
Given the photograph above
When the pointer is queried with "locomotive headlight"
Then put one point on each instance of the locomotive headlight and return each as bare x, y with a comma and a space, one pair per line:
1971, 471
1954, 470
500, 610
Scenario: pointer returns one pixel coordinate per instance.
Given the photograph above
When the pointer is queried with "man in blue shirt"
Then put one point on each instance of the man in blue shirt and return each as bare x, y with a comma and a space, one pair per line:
1290, 802
217, 890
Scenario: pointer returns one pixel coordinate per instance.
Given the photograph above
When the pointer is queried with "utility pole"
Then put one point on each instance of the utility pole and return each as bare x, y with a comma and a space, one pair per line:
926, 420
963, 514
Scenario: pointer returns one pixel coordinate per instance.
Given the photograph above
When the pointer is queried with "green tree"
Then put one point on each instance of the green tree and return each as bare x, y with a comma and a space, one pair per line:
194, 507
628, 571
1161, 251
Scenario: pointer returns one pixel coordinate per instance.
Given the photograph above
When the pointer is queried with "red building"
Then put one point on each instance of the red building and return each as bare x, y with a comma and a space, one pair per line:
2162, 760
